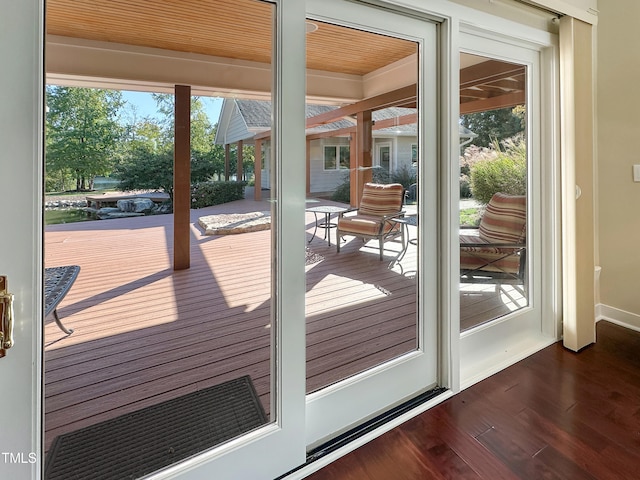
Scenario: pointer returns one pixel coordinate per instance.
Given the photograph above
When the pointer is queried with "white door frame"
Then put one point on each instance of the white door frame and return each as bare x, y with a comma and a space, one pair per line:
277, 447
21, 118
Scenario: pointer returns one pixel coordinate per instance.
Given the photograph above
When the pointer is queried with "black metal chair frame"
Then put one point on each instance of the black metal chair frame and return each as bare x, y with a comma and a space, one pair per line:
382, 236
479, 275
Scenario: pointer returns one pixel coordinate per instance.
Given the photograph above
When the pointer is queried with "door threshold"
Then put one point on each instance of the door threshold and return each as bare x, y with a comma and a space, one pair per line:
366, 427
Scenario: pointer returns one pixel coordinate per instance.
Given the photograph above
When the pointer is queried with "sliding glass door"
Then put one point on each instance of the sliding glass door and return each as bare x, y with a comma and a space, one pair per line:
371, 300
502, 225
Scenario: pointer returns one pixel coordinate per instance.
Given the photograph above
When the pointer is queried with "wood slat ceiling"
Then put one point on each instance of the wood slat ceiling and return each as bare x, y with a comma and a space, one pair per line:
237, 29
346, 50
242, 30
489, 84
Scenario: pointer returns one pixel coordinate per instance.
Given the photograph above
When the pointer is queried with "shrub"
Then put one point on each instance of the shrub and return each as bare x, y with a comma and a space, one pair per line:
506, 173
465, 187
145, 169
342, 193
472, 155
205, 194
404, 175
380, 175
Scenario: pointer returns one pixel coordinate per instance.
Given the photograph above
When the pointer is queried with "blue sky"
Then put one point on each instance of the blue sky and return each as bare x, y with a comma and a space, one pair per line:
146, 106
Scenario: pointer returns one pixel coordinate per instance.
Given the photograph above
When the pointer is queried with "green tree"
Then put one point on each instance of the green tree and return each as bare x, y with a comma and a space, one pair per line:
148, 160
248, 161
146, 168
202, 131
83, 132
207, 157
494, 124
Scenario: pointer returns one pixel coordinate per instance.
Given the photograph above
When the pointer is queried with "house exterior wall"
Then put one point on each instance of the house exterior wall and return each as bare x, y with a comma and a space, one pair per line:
237, 129
323, 181
618, 76
401, 150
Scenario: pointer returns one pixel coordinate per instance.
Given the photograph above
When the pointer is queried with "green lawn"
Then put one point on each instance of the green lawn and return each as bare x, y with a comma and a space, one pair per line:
470, 217
72, 215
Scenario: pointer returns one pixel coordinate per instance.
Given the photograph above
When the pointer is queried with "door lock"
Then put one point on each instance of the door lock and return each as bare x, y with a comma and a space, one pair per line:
6, 317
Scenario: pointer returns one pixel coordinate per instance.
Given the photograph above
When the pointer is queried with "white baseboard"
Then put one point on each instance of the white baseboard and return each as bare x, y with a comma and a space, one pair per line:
617, 316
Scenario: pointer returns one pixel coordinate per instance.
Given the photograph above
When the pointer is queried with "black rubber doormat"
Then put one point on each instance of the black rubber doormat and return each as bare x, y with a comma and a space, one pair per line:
141, 442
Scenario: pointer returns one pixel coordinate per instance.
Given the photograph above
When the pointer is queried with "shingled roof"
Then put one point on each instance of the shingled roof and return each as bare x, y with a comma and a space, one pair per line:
256, 115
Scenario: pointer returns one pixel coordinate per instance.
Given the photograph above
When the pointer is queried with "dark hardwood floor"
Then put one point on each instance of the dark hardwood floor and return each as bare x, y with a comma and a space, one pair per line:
554, 415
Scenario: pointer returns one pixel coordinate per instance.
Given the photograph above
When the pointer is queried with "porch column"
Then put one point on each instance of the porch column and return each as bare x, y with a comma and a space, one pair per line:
182, 178
240, 172
257, 174
227, 162
364, 161
353, 170
308, 169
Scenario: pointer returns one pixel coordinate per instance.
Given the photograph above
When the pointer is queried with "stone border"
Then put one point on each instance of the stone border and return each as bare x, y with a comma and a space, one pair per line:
233, 223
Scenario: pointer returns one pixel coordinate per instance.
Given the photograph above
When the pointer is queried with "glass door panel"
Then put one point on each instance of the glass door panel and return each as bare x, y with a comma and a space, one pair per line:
370, 313
501, 278
362, 298
196, 344
494, 178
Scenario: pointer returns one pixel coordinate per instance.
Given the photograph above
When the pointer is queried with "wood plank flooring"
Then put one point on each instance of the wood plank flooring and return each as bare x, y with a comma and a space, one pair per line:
554, 415
144, 333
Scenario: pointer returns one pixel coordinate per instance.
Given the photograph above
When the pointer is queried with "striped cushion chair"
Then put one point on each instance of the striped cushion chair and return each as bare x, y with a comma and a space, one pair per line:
497, 249
379, 205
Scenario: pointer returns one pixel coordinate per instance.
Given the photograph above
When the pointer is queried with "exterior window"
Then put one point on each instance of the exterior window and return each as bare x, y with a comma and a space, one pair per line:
414, 154
384, 156
336, 157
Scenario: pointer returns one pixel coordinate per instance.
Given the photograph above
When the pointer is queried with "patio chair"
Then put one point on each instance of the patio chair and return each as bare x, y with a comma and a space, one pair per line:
496, 251
379, 206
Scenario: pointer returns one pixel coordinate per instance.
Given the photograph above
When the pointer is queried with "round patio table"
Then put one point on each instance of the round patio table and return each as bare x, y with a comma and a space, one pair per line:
406, 221
324, 221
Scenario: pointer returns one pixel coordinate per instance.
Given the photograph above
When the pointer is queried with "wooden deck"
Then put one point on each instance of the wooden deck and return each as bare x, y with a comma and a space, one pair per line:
145, 333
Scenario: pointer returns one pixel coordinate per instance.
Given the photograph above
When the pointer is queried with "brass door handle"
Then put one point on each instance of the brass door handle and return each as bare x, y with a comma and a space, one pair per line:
6, 317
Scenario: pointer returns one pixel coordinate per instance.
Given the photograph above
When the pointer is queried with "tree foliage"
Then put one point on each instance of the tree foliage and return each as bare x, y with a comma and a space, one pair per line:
202, 131
83, 132
148, 160
495, 124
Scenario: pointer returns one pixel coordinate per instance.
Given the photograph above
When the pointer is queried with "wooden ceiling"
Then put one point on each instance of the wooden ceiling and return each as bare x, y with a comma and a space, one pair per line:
347, 50
242, 30
490, 84
237, 29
